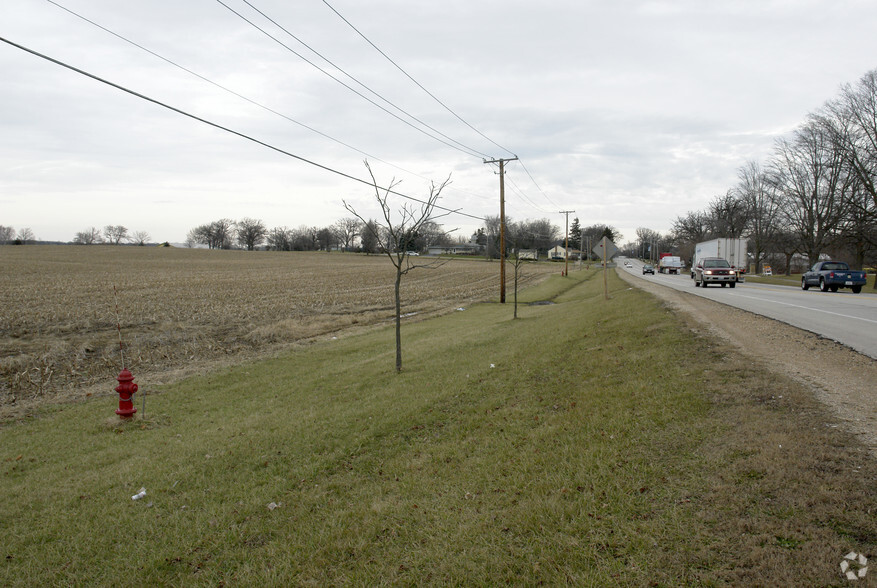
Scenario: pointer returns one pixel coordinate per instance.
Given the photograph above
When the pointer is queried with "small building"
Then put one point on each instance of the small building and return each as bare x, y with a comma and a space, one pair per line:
557, 253
467, 249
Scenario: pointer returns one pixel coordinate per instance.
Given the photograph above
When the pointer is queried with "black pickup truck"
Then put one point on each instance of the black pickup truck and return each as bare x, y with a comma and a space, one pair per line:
833, 275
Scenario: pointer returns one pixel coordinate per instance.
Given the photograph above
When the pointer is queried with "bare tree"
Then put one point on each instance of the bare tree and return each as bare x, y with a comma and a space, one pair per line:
649, 239
7, 235
347, 230
855, 116
25, 236
808, 174
757, 194
694, 227
115, 234
305, 238
89, 236
280, 239
216, 235
516, 238
251, 233
140, 238
491, 232
728, 215
400, 232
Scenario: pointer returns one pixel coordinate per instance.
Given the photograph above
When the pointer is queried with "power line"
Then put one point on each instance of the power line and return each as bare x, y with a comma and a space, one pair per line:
232, 92
419, 85
459, 147
339, 68
535, 184
226, 129
388, 58
523, 195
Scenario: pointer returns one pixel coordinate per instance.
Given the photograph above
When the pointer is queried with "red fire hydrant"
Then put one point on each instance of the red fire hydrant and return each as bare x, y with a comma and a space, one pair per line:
126, 390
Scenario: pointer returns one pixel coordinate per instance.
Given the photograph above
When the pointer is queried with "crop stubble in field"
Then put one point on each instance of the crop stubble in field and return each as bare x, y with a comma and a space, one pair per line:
184, 308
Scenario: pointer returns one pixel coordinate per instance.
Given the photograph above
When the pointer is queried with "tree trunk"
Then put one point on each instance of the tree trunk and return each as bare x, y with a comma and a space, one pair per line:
516, 289
398, 319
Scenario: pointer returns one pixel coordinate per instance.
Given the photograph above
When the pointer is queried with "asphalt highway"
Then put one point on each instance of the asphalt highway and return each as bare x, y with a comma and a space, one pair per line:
849, 319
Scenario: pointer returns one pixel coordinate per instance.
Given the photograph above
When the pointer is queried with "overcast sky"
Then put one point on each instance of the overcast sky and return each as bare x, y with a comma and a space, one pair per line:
629, 112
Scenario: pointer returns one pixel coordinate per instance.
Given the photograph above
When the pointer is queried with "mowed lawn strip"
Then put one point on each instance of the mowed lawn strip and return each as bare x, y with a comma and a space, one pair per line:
590, 442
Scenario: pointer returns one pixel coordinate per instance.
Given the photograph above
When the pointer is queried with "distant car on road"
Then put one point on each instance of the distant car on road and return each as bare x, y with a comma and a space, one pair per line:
714, 270
627, 264
648, 269
833, 275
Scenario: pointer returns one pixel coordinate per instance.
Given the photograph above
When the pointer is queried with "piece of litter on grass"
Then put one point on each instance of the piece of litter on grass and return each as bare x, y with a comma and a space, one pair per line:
461, 308
491, 365
139, 495
273, 505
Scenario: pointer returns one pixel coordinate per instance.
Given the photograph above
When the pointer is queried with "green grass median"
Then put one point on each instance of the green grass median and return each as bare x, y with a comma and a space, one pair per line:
590, 442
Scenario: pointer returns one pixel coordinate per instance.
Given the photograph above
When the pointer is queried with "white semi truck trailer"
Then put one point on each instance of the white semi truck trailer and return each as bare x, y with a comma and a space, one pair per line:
731, 250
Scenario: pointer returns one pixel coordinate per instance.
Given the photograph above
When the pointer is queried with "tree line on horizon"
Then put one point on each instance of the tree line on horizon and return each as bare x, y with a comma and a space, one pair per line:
353, 234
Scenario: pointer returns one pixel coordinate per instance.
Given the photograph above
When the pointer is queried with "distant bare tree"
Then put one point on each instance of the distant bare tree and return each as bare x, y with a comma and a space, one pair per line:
400, 233
347, 230
140, 238
25, 236
280, 239
90, 236
115, 234
7, 235
216, 235
649, 239
304, 238
251, 233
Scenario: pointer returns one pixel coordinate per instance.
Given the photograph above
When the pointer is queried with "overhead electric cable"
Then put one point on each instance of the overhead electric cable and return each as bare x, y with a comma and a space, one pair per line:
226, 129
230, 91
537, 185
465, 150
419, 85
523, 195
339, 68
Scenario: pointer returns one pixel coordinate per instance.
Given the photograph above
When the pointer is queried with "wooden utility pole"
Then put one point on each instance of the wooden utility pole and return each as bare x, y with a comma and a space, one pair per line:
566, 242
501, 163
